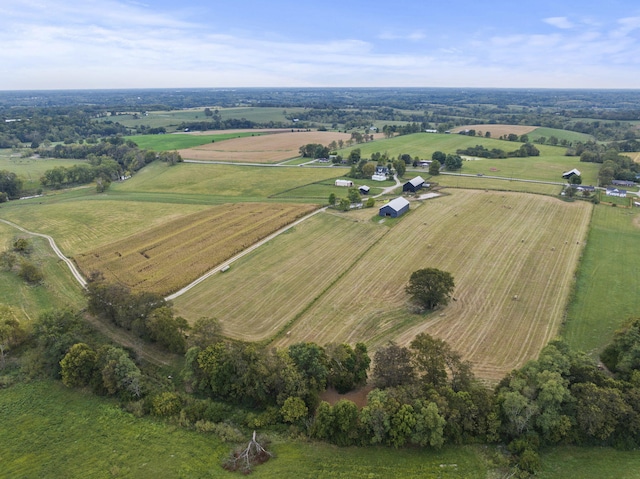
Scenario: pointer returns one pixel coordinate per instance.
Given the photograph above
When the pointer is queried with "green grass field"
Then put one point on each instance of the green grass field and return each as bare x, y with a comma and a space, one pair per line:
571, 136
179, 141
58, 289
49, 431
481, 182
169, 119
225, 181
589, 463
31, 169
608, 280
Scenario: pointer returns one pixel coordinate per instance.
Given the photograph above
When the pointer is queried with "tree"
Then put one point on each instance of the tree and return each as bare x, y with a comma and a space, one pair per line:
392, 367
332, 199
205, 331
293, 410
434, 168
11, 332
78, 365
354, 195
400, 167
168, 330
430, 287
368, 169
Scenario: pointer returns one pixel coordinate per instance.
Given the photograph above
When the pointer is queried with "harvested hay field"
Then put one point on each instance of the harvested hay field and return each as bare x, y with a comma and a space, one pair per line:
168, 257
264, 291
513, 257
496, 130
271, 148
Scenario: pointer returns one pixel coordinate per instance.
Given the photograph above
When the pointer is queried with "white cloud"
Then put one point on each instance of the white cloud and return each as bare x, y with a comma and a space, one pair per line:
559, 22
411, 36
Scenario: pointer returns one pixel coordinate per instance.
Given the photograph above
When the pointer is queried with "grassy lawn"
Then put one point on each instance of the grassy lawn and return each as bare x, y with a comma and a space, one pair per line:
179, 141
49, 431
608, 280
589, 463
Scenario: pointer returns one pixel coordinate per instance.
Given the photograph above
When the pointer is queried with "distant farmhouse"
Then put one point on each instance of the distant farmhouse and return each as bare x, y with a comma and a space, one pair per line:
414, 184
590, 189
568, 174
424, 163
380, 173
395, 208
616, 192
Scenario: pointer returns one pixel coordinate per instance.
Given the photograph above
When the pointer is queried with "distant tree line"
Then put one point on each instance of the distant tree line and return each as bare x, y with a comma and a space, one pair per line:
481, 151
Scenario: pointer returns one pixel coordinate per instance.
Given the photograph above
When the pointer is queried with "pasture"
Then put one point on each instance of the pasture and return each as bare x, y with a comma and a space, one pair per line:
589, 463
58, 290
177, 141
262, 149
31, 169
233, 183
50, 431
607, 281
496, 245
482, 182
173, 118
165, 258
496, 131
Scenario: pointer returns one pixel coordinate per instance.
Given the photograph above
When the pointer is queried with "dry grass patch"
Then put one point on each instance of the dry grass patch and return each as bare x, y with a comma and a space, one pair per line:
167, 257
496, 130
262, 149
498, 246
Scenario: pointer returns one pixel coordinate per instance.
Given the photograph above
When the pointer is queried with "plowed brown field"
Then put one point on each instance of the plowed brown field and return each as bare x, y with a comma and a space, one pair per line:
261, 149
170, 256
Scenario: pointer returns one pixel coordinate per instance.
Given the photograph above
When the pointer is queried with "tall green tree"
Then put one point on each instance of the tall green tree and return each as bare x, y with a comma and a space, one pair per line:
430, 287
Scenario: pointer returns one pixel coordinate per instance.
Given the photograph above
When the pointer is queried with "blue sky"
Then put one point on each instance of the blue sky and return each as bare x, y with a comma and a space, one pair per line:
63, 44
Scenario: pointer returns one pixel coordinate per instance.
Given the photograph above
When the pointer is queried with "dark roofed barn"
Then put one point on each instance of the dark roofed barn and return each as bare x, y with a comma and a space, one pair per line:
413, 185
395, 208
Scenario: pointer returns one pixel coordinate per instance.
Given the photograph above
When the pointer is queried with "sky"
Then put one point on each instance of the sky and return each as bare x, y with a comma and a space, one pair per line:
89, 44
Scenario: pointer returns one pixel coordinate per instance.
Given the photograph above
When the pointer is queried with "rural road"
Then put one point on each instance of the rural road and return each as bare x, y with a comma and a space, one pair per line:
72, 267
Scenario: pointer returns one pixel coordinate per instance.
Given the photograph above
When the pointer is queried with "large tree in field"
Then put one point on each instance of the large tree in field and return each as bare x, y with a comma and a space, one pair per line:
430, 287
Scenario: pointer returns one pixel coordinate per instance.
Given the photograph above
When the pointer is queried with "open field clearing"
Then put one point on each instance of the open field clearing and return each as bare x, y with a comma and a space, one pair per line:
178, 141
262, 149
635, 156
496, 130
89, 222
164, 118
225, 181
540, 168
496, 245
606, 297
270, 287
50, 431
562, 462
570, 136
481, 182
165, 258
58, 289
321, 190
31, 169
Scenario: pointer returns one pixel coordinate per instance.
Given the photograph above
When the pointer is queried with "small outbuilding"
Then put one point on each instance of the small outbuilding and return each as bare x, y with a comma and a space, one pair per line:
364, 190
395, 208
348, 183
414, 184
568, 174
